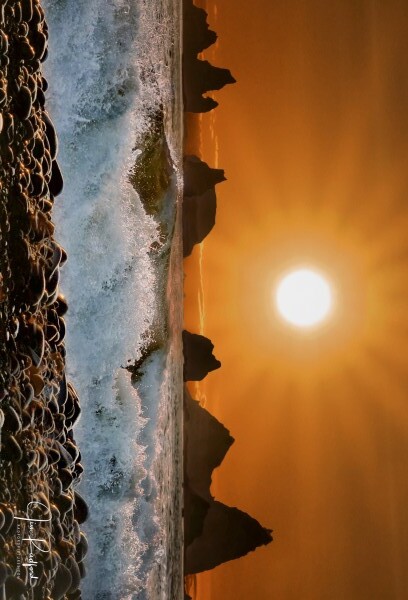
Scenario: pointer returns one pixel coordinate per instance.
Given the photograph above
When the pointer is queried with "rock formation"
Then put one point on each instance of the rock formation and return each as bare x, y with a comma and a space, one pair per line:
199, 201
228, 533
199, 177
199, 76
214, 533
197, 35
199, 359
207, 442
198, 219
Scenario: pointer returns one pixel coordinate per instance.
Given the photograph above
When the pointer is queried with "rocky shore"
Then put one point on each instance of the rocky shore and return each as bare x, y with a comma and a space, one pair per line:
42, 547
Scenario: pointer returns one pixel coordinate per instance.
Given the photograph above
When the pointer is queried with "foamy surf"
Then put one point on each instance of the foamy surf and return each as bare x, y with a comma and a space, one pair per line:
110, 68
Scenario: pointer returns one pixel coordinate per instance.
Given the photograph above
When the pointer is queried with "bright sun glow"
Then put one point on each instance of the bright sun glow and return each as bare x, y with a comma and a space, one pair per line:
304, 298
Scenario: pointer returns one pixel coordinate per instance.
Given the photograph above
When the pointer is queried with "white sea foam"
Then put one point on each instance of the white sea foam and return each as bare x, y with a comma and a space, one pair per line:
107, 73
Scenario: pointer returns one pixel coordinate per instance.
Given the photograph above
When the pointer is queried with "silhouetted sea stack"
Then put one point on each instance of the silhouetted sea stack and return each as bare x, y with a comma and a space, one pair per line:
199, 201
199, 76
198, 219
199, 359
199, 177
214, 533
39, 460
206, 442
228, 533
197, 34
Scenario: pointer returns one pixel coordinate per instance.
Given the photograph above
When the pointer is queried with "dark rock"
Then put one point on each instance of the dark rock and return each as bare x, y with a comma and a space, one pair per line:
62, 305
62, 583
214, 533
198, 219
51, 135
195, 512
199, 77
56, 183
80, 508
3, 572
23, 103
73, 568
207, 442
197, 35
199, 359
81, 548
27, 10
228, 533
199, 177
8, 519
14, 586
10, 449
12, 422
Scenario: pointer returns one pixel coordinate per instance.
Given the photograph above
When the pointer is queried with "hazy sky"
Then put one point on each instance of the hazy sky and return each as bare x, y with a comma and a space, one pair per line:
314, 141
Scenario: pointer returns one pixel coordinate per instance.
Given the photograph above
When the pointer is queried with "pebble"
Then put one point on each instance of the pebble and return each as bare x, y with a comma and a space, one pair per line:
62, 583
38, 406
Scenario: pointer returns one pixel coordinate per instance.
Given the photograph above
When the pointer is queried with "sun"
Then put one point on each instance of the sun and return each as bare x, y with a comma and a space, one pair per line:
304, 298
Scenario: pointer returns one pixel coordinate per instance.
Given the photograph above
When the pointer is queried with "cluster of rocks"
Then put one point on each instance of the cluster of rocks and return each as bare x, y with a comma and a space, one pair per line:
199, 76
214, 533
42, 546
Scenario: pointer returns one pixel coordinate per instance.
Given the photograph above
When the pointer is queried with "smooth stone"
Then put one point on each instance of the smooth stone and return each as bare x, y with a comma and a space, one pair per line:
62, 305
36, 380
62, 583
66, 478
81, 548
11, 450
64, 502
25, 50
27, 10
56, 182
73, 568
28, 394
3, 572
39, 42
23, 103
81, 510
14, 586
51, 135
12, 422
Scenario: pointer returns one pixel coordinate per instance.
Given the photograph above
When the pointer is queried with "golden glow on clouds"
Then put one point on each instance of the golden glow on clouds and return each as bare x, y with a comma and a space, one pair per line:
304, 298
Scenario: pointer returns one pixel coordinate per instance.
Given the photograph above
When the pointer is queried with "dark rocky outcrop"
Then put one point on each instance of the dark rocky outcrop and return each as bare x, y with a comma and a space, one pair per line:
207, 442
197, 509
199, 177
214, 533
199, 359
199, 201
197, 36
228, 533
199, 76
198, 219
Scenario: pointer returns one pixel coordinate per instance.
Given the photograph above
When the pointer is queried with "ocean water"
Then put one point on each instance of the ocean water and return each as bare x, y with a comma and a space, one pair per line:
111, 64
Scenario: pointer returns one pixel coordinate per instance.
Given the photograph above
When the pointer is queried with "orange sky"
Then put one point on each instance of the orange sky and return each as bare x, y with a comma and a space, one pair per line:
314, 141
